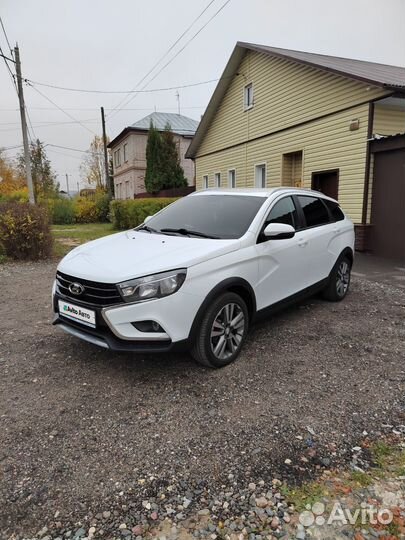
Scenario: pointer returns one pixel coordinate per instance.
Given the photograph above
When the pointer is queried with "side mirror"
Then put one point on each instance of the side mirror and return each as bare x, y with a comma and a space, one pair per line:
145, 221
279, 231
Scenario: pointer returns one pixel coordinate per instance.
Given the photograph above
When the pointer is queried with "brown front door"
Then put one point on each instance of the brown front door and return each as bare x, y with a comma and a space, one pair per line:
327, 182
388, 205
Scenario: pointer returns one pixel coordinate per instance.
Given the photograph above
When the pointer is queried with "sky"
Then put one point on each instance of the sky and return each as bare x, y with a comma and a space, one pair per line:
111, 46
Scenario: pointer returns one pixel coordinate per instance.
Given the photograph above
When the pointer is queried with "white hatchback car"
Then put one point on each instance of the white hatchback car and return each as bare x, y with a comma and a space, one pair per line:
200, 271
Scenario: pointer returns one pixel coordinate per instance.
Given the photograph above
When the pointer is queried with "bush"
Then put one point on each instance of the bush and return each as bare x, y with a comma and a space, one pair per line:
19, 195
24, 231
131, 213
85, 210
61, 211
102, 201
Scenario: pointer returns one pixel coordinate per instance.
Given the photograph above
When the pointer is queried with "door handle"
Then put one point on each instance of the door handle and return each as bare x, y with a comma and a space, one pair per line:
302, 242
336, 230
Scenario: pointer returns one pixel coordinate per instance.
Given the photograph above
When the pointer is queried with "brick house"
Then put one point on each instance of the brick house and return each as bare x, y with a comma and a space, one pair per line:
129, 151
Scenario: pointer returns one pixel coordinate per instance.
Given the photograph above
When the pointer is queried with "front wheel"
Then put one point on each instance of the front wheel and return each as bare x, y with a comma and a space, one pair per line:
339, 280
222, 331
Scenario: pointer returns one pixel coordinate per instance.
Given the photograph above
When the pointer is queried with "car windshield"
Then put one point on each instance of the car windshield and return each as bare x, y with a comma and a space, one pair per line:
212, 216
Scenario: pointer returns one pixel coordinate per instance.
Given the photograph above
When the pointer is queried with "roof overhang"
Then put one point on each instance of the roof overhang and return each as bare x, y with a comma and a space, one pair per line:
231, 70
126, 131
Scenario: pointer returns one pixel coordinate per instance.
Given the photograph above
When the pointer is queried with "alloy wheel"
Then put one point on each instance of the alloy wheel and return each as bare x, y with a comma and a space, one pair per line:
227, 331
343, 278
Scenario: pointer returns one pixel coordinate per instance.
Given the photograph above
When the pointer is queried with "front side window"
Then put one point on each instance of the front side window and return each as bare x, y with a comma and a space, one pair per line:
215, 215
218, 179
232, 178
315, 212
283, 211
248, 96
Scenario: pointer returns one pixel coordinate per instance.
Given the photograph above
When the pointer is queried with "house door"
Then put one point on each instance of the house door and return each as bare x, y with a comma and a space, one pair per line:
327, 182
388, 205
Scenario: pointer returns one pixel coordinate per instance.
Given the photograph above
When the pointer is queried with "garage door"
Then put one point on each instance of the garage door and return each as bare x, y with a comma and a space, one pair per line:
388, 205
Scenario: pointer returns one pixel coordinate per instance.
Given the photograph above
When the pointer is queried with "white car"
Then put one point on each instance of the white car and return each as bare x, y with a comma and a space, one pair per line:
199, 272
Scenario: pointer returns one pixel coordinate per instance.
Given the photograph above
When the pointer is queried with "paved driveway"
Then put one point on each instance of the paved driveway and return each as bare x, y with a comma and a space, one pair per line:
379, 270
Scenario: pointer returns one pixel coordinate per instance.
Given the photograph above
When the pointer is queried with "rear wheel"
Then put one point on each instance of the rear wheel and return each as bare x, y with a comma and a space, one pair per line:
222, 331
339, 280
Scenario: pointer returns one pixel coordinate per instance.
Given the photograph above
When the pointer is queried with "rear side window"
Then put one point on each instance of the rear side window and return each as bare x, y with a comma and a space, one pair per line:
283, 211
334, 208
315, 211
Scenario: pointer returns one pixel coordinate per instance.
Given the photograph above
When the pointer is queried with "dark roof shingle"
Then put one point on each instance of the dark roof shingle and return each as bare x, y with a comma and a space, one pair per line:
380, 74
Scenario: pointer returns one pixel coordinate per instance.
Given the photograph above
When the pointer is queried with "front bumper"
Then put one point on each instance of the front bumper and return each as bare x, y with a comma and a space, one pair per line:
114, 329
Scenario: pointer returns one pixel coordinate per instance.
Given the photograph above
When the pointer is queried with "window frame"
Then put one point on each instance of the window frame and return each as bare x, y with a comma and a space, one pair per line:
261, 164
205, 181
229, 178
117, 157
217, 176
247, 106
303, 221
124, 151
260, 237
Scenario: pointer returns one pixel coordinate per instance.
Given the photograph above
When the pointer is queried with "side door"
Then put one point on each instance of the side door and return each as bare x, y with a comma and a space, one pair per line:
318, 231
283, 264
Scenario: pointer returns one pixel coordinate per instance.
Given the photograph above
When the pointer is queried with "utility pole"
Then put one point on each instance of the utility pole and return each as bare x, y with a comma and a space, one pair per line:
178, 101
67, 183
107, 172
24, 126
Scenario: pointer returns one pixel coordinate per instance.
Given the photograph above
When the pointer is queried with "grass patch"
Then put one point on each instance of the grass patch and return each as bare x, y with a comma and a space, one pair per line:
69, 236
308, 493
360, 479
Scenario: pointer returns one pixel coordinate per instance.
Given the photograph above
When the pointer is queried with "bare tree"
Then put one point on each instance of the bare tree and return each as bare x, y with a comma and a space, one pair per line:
92, 167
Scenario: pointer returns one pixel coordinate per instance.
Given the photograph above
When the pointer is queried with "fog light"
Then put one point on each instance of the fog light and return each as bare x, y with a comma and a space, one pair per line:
148, 326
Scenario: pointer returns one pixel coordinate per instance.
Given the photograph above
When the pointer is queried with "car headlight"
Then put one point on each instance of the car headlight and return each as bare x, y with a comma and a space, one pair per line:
154, 286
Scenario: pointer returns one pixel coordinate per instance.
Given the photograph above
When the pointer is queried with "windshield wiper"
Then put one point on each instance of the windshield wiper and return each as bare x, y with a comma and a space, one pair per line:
188, 232
146, 228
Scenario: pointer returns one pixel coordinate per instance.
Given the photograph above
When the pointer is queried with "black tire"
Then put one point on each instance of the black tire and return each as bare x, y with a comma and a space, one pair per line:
234, 336
339, 280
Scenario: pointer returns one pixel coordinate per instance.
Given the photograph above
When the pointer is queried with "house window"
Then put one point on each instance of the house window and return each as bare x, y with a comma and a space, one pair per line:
248, 96
260, 175
125, 153
127, 194
205, 181
117, 157
232, 178
217, 179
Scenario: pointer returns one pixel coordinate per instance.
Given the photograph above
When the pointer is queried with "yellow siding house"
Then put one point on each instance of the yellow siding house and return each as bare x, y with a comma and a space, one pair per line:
281, 117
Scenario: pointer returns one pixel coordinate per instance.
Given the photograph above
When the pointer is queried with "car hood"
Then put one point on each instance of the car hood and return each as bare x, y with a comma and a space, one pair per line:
132, 254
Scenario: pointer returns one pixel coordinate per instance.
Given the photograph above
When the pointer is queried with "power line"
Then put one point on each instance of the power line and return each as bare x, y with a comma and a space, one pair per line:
47, 124
62, 110
31, 127
73, 149
179, 51
5, 34
6, 148
167, 52
9, 68
83, 90
106, 108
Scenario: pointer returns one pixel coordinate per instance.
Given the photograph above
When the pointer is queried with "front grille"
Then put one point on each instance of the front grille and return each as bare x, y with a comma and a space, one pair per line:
96, 294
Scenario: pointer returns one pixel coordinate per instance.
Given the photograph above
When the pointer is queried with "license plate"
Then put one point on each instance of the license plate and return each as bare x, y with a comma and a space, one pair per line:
77, 313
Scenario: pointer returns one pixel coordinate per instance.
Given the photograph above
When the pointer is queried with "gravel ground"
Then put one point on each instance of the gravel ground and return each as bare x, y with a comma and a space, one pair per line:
115, 442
